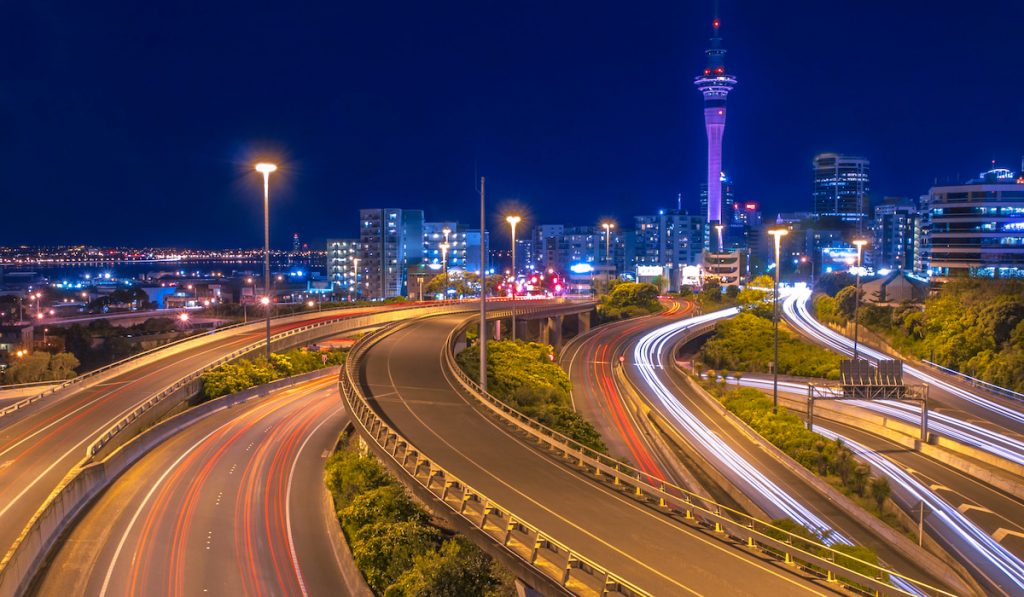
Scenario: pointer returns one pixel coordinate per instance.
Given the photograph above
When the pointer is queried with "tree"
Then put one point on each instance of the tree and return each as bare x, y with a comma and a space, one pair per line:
384, 551
458, 568
78, 341
846, 301
389, 503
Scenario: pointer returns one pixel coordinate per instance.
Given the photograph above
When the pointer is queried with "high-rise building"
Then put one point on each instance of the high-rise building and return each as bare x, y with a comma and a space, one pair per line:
975, 229
841, 186
296, 244
391, 240
715, 84
727, 199
670, 240
892, 245
473, 240
342, 256
434, 237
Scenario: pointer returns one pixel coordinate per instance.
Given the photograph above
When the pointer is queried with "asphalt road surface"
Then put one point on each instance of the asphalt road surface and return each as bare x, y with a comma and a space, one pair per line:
232, 505
405, 378
41, 443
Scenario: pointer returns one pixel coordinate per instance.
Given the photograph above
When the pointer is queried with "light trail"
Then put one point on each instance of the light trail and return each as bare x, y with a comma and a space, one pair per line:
975, 539
795, 309
993, 442
647, 355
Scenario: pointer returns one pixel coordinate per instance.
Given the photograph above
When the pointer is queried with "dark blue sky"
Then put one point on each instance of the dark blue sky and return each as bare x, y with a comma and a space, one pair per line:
137, 122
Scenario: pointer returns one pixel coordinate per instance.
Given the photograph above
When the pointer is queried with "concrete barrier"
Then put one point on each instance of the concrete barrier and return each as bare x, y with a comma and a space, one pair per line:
88, 480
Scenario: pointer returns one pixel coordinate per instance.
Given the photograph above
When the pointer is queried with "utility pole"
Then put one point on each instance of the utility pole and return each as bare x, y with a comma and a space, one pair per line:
482, 336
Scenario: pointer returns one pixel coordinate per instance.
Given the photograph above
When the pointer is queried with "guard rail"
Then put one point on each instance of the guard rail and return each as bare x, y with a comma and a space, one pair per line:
815, 557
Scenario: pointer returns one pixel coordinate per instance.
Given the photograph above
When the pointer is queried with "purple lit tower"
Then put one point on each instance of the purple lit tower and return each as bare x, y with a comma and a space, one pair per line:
715, 84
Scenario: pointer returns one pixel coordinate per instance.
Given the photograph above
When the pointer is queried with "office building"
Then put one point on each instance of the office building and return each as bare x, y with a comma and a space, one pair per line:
841, 187
669, 240
892, 229
975, 229
434, 239
391, 239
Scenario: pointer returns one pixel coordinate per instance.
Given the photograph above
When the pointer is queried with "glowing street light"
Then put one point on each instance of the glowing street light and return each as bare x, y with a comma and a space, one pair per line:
608, 226
512, 221
856, 305
265, 169
183, 317
444, 264
777, 233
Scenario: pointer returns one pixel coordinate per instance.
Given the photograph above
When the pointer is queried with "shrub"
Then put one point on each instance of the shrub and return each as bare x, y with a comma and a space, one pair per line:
246, 373
746, 343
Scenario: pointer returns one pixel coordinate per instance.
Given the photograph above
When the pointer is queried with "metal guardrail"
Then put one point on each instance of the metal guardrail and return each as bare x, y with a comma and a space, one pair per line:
978, 383
523, 540
60, 385
755, 534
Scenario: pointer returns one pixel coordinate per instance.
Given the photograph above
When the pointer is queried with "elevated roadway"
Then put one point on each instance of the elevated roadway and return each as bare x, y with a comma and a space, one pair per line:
42, 442
406, 380
726, 454
231, 505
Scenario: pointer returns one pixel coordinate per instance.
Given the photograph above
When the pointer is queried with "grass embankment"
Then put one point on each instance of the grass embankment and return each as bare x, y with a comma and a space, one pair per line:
525, 376
974, 326
746, 343
393, 542
246, 373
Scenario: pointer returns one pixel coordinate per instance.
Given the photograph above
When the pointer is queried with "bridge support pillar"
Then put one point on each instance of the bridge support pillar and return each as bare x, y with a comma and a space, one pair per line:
584, 323
523, 330
553, 331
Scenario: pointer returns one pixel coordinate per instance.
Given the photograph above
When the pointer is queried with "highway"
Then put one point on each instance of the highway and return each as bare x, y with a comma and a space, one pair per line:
231, 505
647, 344
405, 378
971, 507
42, 442
946, 394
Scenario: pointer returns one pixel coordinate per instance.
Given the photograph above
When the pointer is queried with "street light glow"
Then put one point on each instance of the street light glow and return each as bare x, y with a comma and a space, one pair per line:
266, 168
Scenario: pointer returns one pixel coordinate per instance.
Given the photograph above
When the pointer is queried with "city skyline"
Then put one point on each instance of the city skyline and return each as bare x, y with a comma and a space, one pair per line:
598, 118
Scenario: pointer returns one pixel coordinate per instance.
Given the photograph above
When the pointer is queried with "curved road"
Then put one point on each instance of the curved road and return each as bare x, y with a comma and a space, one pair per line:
594, 384
404, 376
42, 442
232, 505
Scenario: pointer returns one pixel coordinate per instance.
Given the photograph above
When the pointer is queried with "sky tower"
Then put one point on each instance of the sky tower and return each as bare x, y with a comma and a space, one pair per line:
715, 84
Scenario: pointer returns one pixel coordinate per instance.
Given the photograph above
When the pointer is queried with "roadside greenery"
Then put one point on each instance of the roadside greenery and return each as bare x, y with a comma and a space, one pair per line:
246, 373
865, 554
971, 325
40, 366
100, 342
746, 343
755, 296
393, 542
525, 376
628, 299
829, 459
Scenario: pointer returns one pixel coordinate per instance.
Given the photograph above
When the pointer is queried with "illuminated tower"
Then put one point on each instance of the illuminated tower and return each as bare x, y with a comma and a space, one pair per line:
715, 84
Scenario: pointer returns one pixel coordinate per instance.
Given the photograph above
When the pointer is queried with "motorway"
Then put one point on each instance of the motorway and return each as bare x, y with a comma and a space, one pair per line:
404, 376
946, 394
42, 442
734, 454
231, 505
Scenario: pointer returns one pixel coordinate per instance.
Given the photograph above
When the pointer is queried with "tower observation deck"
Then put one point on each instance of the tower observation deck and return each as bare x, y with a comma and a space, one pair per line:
715, 83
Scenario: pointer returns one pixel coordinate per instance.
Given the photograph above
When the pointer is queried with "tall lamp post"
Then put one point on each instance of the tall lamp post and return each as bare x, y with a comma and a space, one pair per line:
482, 336
856, 306
777, 234
608, 226
444, 266
265, 169
512, 221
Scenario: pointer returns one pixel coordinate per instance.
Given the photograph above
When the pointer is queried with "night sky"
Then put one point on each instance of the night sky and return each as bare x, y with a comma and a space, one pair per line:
137, 122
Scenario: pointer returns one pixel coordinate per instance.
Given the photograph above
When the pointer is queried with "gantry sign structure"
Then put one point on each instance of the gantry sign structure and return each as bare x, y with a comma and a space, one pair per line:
859, 380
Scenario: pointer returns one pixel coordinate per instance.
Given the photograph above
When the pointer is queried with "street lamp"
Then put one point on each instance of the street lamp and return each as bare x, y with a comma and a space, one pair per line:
718, 229
444, 265
607, 238
778, 233
856, 306
512, 221
265, 169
